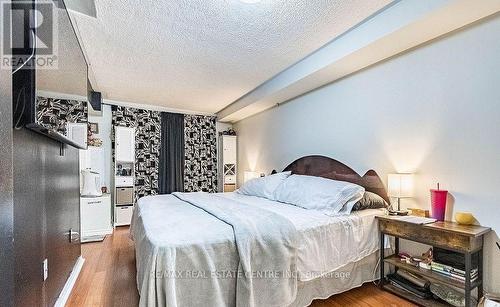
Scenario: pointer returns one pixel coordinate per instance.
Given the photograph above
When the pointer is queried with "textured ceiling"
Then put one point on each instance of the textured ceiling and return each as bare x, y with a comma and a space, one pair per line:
201, 55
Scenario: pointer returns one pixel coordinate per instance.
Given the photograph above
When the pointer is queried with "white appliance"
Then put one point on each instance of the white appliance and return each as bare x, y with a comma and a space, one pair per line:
93, 159
91, 184
95, 218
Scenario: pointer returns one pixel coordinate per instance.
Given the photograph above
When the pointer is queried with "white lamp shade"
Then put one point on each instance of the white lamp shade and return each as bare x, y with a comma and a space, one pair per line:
248, 175
400, 185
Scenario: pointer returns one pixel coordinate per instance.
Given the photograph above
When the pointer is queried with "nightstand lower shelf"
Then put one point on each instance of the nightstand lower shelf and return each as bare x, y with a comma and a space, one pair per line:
428, 274
412, 298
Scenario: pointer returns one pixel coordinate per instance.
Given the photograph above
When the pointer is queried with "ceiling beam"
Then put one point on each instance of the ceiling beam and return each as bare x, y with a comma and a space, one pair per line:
398, 28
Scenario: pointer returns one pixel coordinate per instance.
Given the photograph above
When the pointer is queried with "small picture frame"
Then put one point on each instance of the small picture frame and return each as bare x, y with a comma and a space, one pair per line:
94, 128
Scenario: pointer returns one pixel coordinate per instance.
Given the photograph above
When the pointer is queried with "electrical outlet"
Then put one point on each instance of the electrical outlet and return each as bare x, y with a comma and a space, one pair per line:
45, 269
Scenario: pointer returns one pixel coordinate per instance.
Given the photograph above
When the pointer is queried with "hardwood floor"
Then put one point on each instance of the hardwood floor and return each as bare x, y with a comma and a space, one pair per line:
108, 279
108, 274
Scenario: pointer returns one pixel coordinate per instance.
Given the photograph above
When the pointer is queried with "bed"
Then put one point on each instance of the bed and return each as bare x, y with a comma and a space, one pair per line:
189, 253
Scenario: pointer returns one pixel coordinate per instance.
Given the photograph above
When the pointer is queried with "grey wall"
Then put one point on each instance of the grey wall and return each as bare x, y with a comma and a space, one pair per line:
46, 207
6, 191
434, 111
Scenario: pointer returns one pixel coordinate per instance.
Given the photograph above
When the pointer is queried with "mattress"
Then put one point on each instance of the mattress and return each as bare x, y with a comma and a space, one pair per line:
327, 243
180, 247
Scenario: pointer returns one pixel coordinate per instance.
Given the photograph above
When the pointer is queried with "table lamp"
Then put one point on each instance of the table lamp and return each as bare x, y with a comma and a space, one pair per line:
400, 186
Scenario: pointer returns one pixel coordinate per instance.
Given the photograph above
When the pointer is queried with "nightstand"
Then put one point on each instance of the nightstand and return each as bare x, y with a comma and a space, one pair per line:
467, 240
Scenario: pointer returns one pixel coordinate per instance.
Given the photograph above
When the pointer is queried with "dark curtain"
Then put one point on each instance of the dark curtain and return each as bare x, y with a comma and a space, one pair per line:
171, 153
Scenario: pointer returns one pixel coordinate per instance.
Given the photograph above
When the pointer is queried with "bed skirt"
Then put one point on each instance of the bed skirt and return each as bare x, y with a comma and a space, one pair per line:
348, 277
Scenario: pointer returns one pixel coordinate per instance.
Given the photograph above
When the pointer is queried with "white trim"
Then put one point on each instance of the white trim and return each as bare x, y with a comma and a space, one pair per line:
153, 107
70, 283
100, 232
143, 106
48, 94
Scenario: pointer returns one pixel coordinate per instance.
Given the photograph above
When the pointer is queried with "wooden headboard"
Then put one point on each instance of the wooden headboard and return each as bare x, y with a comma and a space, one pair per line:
325, 167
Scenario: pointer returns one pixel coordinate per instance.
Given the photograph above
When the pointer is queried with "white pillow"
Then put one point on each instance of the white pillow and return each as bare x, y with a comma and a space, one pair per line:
263, 186
332, 197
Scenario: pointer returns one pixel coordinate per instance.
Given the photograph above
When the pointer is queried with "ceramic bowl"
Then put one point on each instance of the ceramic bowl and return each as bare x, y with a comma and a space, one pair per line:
464, 218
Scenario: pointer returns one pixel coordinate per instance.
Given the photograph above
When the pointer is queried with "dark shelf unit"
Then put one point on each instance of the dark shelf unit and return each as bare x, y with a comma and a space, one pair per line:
467, 240
54, 135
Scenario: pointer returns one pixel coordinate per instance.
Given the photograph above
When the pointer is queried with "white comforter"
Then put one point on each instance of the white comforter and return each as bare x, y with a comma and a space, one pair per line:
187, 257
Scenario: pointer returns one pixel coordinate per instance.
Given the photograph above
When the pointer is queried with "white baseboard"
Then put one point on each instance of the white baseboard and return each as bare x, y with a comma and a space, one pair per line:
70, 283
101, 232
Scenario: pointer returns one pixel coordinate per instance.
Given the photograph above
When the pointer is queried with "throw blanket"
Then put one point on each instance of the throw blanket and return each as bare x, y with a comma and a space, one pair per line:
267, 249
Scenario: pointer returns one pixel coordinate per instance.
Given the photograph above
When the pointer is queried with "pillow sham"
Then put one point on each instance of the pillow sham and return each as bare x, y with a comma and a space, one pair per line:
370, 201
263, 186
331, 197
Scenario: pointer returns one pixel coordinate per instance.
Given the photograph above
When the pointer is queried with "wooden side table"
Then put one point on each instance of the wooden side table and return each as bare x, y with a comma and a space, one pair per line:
467, 240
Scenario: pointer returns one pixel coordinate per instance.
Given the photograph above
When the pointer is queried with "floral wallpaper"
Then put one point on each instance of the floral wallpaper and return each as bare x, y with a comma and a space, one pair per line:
200, 145
147, 146
55, 113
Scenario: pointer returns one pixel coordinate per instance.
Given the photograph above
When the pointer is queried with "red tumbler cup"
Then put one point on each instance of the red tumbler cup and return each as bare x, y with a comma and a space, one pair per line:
438, 204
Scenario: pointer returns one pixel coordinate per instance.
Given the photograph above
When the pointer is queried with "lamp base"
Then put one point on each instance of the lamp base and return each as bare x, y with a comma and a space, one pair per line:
399, 212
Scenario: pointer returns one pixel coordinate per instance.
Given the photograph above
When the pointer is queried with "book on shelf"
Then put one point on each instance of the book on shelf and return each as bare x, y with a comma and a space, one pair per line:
448, 273
425, 265
449, 268
462, 278
453, 273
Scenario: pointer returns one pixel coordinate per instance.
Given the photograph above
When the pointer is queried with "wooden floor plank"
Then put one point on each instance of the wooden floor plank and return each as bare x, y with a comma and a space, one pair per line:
108, 279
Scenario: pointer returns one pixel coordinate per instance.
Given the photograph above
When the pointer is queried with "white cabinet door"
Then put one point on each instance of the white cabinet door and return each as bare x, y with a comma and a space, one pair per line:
229, 149
125, 144
123, 215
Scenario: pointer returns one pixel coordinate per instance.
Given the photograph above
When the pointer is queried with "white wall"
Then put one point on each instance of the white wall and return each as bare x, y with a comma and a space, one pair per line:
434, 111
104, 122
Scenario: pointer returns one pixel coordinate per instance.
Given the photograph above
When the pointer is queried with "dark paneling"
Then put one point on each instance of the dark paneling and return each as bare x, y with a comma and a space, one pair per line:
6, 193
62, 213
46, 191
29, 198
